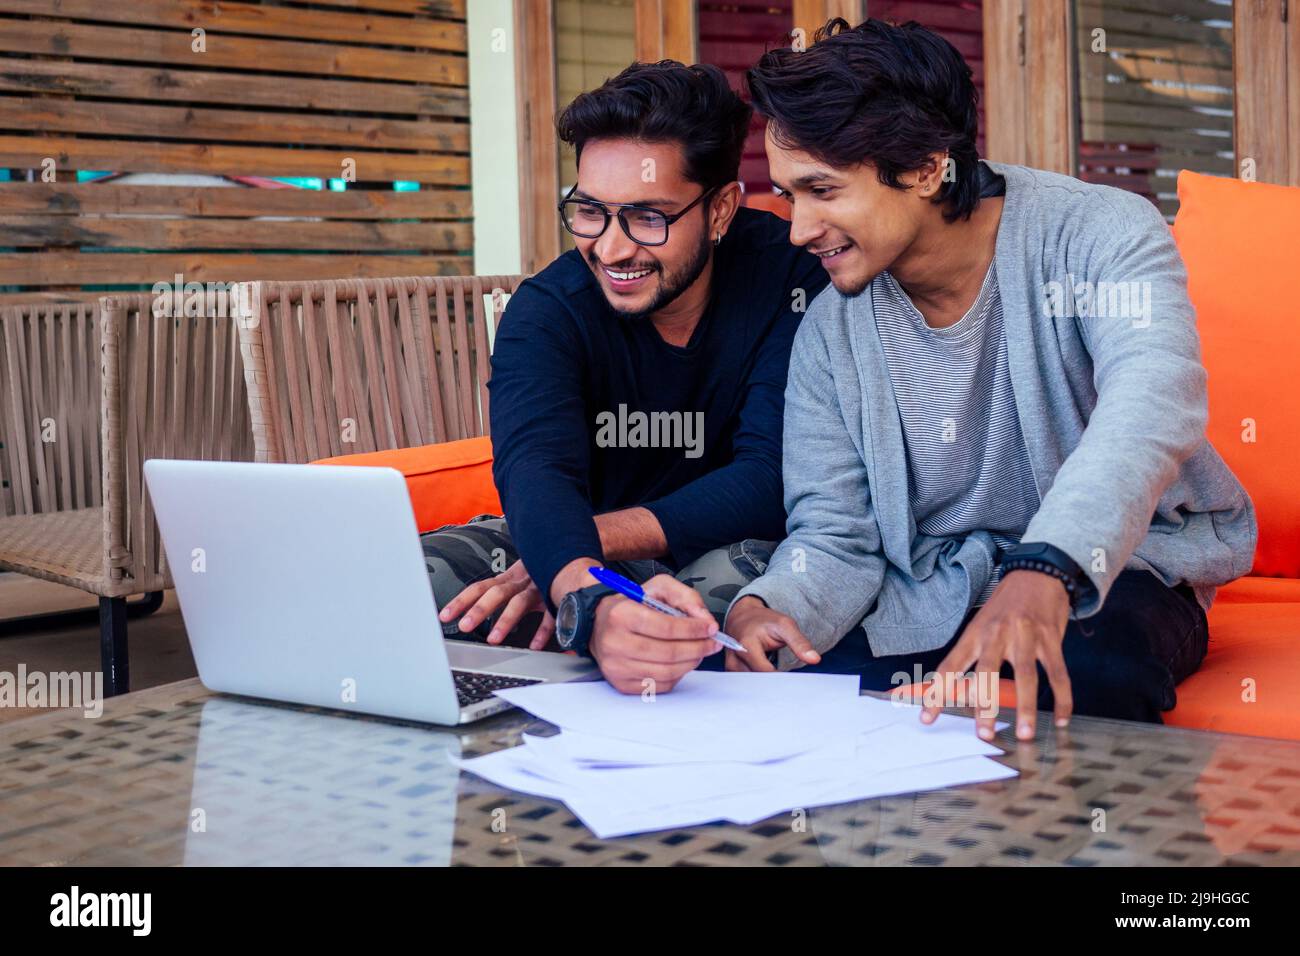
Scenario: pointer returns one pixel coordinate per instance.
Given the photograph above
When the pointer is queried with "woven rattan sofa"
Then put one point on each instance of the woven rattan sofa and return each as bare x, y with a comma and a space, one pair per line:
88, 391
364, 365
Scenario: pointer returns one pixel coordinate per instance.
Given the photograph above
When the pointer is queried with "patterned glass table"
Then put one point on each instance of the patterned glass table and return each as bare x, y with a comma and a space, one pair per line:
176, 775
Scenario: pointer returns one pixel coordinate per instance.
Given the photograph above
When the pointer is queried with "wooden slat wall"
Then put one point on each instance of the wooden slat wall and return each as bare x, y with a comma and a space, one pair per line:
733, 35
1029, 84
283, 88
535, 92
666, 30
1266, 67
594, 40
960, 22
1160, 98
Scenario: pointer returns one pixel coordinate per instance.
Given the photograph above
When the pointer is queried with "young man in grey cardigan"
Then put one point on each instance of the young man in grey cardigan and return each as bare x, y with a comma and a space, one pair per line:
995, 453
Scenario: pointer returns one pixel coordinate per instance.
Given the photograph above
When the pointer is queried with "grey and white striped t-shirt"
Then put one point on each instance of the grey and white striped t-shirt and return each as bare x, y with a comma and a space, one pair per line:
968, 468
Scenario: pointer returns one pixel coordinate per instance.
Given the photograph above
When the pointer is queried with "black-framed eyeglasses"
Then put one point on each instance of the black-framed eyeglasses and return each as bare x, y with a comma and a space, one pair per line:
644, 225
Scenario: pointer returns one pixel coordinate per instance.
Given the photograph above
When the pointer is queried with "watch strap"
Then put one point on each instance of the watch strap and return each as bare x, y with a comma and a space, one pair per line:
1050, 560
588, 598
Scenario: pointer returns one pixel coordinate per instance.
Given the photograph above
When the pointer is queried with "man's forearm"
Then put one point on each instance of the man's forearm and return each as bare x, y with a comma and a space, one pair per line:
630, 535
626, 535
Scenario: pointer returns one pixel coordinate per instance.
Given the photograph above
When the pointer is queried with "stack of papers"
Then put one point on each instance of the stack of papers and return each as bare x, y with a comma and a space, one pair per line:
729, 746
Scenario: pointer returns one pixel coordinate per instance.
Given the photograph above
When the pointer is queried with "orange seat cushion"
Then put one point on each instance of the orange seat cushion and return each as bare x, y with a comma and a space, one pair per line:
1254, 636
450, 482
1238, 240
1249, 682
769, 202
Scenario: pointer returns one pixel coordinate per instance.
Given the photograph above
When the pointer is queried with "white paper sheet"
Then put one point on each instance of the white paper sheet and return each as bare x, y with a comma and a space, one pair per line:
607, 821
718, 716
738, 747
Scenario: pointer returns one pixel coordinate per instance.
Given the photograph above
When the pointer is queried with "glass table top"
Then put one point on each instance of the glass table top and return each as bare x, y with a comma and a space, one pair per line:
176, 775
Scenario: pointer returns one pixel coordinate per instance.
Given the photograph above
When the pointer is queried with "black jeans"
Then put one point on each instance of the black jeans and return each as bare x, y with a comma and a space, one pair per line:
1124, 661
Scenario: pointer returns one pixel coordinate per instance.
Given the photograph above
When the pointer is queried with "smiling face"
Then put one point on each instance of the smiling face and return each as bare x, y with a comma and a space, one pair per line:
848, 218
641, 280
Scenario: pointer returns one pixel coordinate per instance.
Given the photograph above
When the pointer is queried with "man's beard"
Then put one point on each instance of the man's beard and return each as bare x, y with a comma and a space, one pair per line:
857, 288
671, 285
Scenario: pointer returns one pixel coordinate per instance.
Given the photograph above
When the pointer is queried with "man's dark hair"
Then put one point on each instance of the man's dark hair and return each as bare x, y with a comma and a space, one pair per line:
666, 102
877, 93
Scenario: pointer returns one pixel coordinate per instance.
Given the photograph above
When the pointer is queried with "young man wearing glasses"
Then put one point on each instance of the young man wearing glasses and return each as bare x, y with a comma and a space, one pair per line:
637, 392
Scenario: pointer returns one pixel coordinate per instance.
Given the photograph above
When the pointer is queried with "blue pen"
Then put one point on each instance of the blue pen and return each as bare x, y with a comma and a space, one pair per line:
633, 590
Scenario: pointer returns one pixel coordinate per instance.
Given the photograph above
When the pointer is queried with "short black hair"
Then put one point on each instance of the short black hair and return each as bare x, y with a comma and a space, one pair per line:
666, 102
878, 93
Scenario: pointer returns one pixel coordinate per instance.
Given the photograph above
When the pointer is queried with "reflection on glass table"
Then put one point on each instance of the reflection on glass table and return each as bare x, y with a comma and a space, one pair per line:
177, 775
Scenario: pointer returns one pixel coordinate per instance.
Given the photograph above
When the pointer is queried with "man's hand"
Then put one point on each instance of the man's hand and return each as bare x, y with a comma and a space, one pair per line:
514, 590
1023, 623
633, 643
762, 631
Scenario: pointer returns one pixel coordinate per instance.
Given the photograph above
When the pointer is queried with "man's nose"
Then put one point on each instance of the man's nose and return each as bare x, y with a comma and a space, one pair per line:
804, 225
614, 246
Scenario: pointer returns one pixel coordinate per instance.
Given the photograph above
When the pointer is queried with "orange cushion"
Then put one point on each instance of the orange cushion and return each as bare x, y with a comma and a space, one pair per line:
769, 202
1238, 240
449, 482
1255, 635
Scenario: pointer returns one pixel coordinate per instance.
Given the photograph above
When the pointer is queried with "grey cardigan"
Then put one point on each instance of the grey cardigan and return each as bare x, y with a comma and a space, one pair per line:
1110, 392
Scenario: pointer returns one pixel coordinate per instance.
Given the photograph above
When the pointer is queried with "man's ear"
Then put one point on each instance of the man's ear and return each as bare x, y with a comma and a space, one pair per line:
927, 180
723, 209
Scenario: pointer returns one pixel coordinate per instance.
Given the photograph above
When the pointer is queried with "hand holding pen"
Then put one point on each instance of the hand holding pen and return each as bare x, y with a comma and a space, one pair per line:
612, 579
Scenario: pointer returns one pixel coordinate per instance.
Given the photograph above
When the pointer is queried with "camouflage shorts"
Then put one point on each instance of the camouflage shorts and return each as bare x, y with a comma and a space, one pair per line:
457, 556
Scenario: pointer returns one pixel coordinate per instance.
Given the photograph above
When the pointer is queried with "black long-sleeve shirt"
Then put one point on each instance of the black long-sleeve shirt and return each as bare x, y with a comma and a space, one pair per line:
566, 369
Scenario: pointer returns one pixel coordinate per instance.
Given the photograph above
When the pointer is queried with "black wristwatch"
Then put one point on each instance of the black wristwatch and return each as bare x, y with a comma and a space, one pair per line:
576, 616
1050, 560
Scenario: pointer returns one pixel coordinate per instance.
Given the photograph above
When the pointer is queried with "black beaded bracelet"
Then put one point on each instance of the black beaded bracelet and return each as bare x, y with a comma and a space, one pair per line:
1044, 567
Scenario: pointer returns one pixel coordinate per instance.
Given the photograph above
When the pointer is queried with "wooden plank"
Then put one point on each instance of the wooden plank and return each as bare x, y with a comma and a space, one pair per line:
1193, 54
1153, 26
117, 199
27, 152
1049, 78
809, 16
589, 18
665, 29
1191, 9
445, 9
1160, 136
173, 233
607, 53
854, 11
1292, 106
1170, 116
940, 17
258, 20
57, 267
59, 115
48, 298
727, 26
648, 29
1145, 73
100, 41
1174, 158
538, 154
1004, 90
1149, 94
812, 15
1261, 89
198, 86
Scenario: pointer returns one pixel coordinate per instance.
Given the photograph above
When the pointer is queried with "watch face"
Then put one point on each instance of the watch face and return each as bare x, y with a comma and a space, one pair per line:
566, 620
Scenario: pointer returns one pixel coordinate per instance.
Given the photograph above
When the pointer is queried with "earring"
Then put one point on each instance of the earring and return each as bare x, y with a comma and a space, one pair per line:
717, 238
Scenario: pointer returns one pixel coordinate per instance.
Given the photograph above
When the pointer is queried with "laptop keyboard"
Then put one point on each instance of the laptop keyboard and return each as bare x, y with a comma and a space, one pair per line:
475, 686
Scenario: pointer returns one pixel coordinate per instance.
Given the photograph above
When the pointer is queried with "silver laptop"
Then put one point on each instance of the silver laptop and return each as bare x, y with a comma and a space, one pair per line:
307, 584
